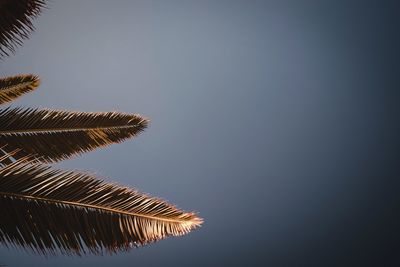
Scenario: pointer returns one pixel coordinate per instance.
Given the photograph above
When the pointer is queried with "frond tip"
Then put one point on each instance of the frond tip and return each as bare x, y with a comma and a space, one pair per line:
49, 211
15, 86
16, 22
53, 135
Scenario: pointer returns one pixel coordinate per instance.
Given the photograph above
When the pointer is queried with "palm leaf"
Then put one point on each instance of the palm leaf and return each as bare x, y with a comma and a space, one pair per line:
16, 22
15, 86
53, 135
50, 211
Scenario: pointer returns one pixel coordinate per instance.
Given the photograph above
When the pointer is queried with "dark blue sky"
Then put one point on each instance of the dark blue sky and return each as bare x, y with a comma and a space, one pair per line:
278, 121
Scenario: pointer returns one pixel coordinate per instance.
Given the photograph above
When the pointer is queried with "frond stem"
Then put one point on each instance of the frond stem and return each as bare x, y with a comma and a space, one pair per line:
34, 131
70, 203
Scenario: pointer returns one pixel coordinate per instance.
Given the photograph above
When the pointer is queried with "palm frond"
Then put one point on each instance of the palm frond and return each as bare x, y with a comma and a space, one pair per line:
51, 211
15, 86
53, 135
16, 22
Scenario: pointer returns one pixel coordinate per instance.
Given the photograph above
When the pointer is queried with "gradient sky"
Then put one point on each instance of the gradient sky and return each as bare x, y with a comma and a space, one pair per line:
278, 121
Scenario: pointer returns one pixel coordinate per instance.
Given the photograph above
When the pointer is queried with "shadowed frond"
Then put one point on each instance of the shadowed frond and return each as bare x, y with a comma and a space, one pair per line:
16, 22
52, 211
15, 86
52, 135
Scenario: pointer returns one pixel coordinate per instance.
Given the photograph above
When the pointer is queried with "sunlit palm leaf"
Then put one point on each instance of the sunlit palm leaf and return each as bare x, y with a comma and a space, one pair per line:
52, 211
15, 86
51, 135
16, 22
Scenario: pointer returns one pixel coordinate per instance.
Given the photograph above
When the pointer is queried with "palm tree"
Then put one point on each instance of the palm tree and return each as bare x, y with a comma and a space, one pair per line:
48, 210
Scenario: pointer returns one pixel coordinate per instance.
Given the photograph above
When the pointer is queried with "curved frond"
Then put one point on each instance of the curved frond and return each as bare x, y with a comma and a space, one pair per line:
53, 135
50, 211
15, 86
16, 22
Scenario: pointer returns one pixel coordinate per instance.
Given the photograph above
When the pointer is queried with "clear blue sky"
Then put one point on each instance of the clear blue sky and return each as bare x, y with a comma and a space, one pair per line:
278, 121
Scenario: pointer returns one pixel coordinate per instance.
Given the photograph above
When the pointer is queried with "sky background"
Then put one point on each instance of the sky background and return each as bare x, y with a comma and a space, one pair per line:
277, 121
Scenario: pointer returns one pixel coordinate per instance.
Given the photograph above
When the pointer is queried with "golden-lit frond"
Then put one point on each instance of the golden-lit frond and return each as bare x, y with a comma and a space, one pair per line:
52, 135
15, 86
50, 211
16, 22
